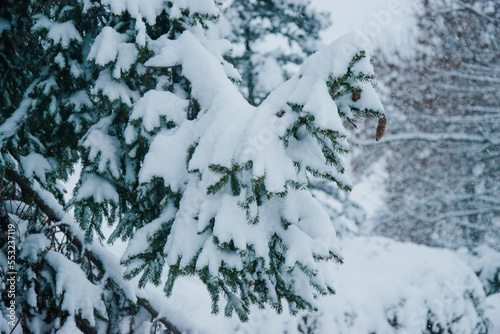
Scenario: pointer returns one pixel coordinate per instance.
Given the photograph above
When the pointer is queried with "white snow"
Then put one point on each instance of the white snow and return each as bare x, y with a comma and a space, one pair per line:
227, 131
382, 281
103, 147
105, 47
151, 9
155, 104
485, 261
97, 188
140, 241
79, 295
114, 90
113, 270
35, 164
59, 59
34, 245
167, 156
49, 199
194, 6
137, 8
59, 33
10, 126
109, 46
79, 100
492, 312
69, 327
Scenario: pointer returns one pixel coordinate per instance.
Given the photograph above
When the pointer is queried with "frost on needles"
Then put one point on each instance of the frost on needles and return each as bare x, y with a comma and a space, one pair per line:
238, 211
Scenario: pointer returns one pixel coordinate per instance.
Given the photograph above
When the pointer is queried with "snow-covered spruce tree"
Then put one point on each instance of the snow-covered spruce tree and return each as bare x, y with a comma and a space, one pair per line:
237, 211
444, 150
63, 284
270, 40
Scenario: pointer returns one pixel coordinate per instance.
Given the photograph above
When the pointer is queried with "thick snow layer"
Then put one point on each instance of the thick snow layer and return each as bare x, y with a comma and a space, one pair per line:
35, 164
34, 245
98, 188
207, 7
60, 33
11, 125
109, 46
157, 104
150, 9
105, 47
49, 199
114, 90
79, 295
383, 280
492, 312
103, 147
113, 269
228, 133
79, 100
485, 261
140, 241
69, 327
137, 8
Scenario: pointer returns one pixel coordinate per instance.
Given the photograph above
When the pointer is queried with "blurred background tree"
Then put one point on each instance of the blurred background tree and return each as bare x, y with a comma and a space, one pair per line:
270, 40
443, 149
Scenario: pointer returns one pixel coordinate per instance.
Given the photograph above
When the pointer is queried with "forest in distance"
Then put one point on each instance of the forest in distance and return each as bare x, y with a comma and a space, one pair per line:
250, 166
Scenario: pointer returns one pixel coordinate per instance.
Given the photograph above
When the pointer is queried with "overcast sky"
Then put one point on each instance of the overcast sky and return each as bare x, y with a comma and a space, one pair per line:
386, 23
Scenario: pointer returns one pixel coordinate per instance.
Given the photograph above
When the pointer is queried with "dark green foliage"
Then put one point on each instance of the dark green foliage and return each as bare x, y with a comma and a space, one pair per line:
153, 261
229, 175
17, 58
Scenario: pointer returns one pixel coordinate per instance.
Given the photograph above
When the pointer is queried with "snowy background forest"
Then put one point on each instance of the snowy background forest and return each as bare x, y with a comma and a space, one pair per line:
204, 167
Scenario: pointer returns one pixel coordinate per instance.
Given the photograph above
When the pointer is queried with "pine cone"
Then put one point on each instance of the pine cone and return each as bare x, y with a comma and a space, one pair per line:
380, 128
356, 95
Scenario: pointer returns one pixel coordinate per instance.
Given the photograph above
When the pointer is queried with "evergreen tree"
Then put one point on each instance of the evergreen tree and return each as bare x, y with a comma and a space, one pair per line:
270, 40
63, 284
185, 169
